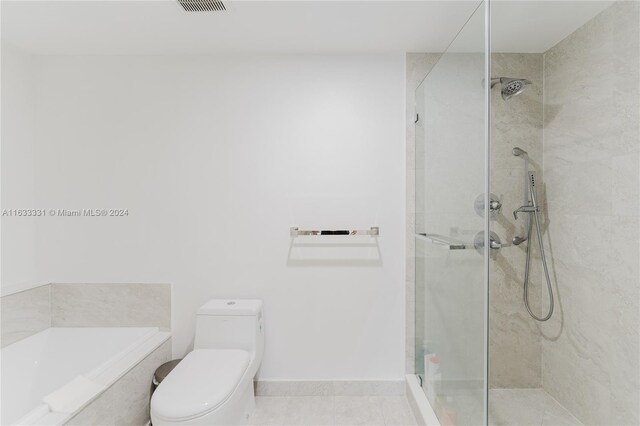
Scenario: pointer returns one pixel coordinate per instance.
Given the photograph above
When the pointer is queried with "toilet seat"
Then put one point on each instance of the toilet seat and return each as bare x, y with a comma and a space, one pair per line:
202, 382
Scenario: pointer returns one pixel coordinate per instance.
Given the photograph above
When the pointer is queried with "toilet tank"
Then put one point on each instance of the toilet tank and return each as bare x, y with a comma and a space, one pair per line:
230, 324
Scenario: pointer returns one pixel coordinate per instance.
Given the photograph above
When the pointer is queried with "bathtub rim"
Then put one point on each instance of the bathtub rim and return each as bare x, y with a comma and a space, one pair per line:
105, 374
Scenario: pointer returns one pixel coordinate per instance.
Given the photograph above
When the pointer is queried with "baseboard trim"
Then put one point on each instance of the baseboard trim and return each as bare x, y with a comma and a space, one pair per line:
330, 388
419, 403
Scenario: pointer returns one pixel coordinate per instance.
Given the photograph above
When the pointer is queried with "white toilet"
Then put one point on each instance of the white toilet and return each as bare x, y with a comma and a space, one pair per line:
213, 385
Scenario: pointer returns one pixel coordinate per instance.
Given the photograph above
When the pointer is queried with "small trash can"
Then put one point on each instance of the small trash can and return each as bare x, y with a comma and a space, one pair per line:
162, 372
159, 376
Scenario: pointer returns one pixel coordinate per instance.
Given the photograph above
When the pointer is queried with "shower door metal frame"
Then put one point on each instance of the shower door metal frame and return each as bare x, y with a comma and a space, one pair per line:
487, 198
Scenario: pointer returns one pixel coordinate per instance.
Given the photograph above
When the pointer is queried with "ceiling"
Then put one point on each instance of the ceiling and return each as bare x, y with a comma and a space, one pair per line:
537, 26
311, 27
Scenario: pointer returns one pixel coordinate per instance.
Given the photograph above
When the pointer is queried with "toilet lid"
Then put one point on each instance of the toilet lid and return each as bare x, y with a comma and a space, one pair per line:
202, 381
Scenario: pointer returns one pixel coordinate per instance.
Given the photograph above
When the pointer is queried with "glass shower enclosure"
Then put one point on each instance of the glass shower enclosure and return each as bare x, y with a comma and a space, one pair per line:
452, 226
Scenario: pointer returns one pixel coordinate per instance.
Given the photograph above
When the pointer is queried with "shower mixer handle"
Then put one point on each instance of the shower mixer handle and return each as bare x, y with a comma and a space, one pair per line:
494, 242
495, 245
495, 205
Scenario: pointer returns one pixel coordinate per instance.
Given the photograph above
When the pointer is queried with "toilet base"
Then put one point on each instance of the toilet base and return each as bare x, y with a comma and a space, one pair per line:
250, 403
234, 411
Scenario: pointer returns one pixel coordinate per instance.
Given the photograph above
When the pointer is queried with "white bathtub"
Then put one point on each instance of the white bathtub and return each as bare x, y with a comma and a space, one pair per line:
41, 364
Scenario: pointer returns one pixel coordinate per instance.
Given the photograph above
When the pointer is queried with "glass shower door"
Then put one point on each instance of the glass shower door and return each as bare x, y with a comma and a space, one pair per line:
451, 264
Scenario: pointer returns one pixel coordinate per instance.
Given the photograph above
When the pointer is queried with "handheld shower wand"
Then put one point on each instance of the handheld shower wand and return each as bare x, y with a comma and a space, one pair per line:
519, 152
531, 207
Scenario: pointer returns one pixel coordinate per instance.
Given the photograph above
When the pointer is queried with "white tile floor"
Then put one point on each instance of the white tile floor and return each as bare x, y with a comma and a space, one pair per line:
519, 407
507, 407
332, 410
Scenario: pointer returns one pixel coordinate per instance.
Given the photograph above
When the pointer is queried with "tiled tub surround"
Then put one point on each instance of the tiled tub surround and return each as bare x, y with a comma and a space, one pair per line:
126, 402
24, 313
84, 305
77, 365
51, 324
111, 305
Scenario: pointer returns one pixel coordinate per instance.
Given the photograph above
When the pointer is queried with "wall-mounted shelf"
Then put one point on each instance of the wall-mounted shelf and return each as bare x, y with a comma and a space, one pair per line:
374, 231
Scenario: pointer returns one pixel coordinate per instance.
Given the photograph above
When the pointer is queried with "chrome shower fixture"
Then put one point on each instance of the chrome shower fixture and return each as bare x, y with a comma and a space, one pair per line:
532, 209
518, 240
519, 152
510, 86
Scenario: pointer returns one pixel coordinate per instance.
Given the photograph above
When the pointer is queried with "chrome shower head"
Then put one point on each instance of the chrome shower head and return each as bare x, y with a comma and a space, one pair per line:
519, 152
510, 86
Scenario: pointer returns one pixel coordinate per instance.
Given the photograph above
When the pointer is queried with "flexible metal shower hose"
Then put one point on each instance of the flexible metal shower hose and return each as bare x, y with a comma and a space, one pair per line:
544, 263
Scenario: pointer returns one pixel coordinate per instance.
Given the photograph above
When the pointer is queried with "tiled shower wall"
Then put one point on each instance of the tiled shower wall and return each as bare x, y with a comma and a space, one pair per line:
515, 348
591, 162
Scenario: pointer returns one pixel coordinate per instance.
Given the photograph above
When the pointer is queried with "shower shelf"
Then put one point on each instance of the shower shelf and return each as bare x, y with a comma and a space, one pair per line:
374, 231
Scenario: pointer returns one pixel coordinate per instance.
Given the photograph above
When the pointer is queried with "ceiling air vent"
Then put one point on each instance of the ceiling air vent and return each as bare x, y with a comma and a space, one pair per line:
202, 5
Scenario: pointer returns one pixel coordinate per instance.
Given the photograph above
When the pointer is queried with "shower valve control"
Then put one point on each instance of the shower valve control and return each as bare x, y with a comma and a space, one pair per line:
494, 242
494, 205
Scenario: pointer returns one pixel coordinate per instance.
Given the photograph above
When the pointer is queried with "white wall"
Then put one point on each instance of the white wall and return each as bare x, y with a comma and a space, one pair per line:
18, 125
215, 158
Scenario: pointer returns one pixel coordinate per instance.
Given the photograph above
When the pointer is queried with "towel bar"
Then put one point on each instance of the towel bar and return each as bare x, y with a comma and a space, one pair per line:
296, 232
